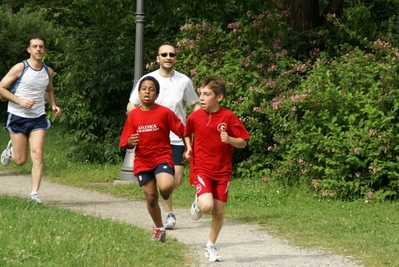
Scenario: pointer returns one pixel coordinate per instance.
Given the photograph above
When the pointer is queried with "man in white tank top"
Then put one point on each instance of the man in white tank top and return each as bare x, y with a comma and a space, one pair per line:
176, 92
25, 86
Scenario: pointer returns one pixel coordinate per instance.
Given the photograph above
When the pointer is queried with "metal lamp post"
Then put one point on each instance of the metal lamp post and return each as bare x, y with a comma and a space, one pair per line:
126, 173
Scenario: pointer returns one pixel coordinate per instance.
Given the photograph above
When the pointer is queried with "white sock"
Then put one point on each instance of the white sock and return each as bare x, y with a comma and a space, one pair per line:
161, 228
210, 244
32, 193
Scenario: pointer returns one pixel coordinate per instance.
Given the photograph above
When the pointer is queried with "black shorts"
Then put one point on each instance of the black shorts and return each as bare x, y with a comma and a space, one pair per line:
145, 176
177, 154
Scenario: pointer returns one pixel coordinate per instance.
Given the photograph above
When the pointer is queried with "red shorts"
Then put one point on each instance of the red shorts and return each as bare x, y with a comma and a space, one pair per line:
219, 188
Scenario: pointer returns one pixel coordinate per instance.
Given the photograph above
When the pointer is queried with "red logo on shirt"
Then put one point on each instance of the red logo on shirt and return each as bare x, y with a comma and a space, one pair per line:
222, 127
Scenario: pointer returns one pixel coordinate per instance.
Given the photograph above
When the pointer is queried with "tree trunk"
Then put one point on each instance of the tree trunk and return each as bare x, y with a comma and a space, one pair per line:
305, 14
9, 6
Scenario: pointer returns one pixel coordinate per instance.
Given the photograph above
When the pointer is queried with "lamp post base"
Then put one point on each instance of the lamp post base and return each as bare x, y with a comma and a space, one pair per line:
126, 173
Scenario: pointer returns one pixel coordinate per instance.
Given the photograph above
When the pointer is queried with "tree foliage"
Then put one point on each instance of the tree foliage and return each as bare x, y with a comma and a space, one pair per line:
294, 79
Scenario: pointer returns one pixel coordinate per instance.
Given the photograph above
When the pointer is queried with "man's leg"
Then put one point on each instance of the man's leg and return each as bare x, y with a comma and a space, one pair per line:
177, 152
36, 141
167, 204
19, 148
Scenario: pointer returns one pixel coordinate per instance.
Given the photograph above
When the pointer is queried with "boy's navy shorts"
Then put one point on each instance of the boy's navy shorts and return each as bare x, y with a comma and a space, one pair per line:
145, 176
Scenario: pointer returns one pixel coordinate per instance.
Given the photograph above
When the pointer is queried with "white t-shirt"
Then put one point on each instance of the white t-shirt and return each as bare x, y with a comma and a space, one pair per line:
175, 93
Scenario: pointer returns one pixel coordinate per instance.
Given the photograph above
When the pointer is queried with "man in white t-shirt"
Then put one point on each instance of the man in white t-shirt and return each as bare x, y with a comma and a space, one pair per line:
176, 92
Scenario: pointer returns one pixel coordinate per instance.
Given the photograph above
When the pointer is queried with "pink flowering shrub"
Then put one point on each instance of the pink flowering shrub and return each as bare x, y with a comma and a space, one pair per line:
338, 130
249, 56
325, 120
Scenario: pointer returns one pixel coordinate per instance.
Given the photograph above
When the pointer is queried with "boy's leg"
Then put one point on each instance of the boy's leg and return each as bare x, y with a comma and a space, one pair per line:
36, 141
217, 220
167, 203
151, 196
166, 183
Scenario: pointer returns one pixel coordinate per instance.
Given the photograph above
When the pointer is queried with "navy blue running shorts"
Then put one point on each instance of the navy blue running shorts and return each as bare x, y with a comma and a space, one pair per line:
177, 154
16, 124
145, 176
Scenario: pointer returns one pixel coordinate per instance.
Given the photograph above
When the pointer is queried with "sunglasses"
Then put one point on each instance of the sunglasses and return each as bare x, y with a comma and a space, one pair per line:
166, 54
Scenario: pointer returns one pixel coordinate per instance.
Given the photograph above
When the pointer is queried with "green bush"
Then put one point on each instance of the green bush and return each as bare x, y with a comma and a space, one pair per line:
336, 132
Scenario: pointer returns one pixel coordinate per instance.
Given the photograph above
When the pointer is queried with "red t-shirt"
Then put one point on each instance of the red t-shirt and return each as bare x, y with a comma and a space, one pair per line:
153, 127
211, 157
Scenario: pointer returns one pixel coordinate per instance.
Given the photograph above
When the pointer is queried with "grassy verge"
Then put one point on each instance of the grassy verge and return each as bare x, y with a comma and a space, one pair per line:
366, 232
37, 235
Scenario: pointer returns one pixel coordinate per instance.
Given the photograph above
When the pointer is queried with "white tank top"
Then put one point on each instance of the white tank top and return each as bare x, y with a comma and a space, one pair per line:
32, 84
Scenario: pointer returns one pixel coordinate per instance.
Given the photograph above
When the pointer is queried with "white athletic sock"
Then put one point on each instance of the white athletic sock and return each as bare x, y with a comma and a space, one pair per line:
32, 193
210, 244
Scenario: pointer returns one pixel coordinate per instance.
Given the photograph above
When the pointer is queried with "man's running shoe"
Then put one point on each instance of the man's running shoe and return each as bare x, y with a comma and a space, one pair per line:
6, 155
170, 222
196, 213
35, 198
212, 254
159, 235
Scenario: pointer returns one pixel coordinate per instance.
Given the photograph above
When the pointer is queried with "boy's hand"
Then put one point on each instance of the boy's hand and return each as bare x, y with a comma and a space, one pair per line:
187, 156
224, 137
133, 140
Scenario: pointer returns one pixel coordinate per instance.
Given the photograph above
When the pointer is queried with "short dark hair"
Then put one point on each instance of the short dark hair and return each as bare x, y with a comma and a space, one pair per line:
216, 84
36, 36
150, 78
165, 43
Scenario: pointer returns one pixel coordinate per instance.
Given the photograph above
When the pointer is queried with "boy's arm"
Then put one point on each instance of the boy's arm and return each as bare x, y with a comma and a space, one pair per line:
188, 148
236, 142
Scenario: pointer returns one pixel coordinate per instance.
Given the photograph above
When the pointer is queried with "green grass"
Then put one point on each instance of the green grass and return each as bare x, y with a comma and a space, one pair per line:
37, 235
367, 232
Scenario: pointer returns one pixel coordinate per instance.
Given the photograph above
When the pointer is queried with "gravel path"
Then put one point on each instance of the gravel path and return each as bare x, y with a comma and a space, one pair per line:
239, 244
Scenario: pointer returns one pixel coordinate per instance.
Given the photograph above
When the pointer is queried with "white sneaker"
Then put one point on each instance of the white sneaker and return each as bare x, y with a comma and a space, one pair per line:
35, 198
170, 222
212, 254
196, 213
6, 155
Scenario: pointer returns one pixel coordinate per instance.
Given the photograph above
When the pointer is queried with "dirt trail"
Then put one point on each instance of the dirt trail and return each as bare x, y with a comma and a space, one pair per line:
239, 244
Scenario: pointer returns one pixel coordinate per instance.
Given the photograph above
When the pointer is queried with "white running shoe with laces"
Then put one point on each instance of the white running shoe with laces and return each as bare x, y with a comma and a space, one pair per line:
196, 213
35, 198
170, 222
6, 155
212, 254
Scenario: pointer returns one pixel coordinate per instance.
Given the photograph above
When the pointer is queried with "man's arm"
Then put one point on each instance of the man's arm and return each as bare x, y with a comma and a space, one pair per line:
50, 94
130, 106
196, 106
13, 74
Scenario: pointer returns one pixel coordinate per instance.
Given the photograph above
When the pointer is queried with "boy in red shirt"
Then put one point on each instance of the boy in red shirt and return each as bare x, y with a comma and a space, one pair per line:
147, 129
216, 132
